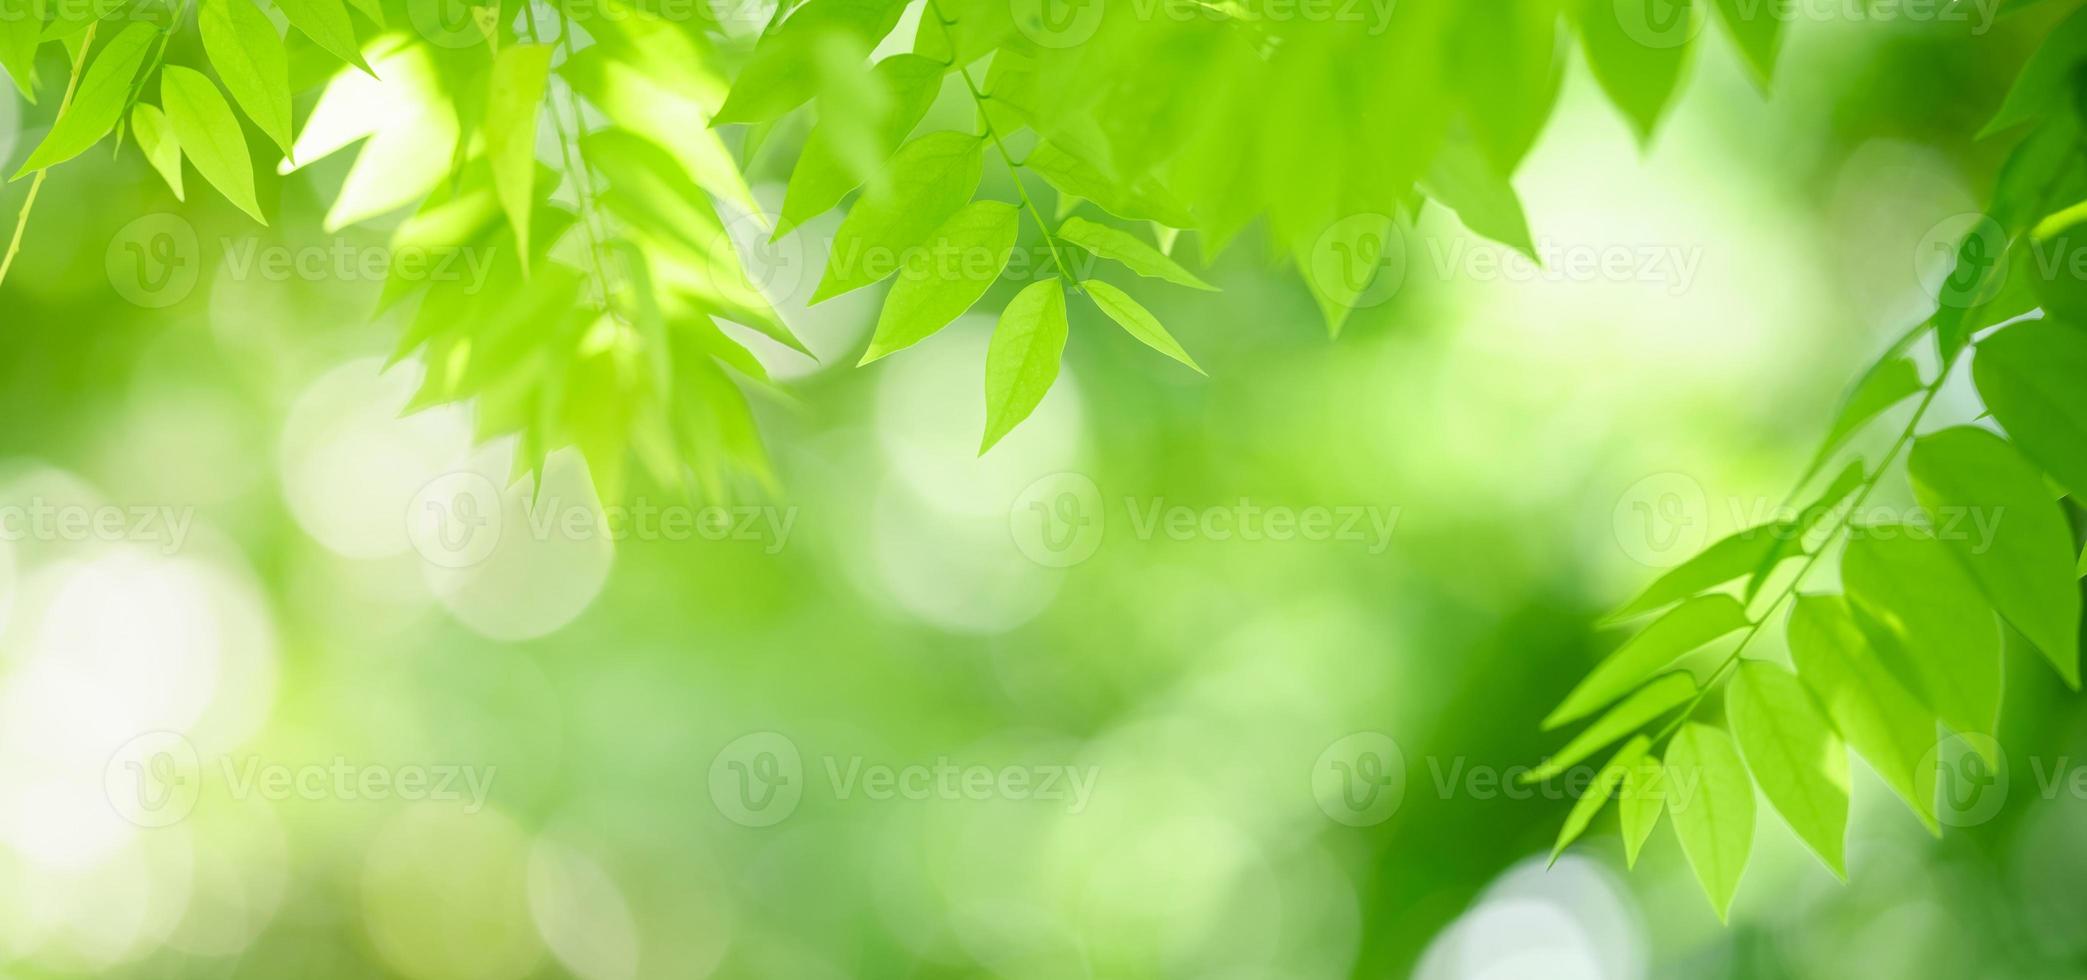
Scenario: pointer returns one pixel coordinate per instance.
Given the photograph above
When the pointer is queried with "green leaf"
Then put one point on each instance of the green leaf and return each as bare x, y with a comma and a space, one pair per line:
2030, 376
1887, 383
1884, 721
21, 30
1343, 267
1684, 629
209, 135
1022, 361
1507, 64
1794, 754
1463, 180
248, 55
519, 74
1925, 619
1992, 509
1734, 555
1639, 802
1758, 30
1664, 694
941, 278
326, 23
1137, 320
2042, 86
1128, 249
1790, 540
824, 174
784, 70
1598, 792
1143, 199
1637, 58
1712, 801
97, 104
931, 178
156, 139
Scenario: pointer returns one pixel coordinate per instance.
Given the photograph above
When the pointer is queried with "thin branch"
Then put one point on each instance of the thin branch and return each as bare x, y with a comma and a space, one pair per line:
21, 224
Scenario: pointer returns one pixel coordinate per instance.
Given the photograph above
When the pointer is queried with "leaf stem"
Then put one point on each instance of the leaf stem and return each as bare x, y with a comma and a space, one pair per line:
21, 224
1841, 523
1014, 172
576, 165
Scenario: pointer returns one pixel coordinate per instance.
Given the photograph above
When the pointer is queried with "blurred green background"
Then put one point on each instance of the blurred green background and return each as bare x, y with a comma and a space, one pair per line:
926, 714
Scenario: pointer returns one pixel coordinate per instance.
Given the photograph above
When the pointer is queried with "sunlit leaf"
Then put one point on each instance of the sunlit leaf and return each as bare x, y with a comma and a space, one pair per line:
2046, 79
1682, 630
931, 178
943, 276
517, 89
1794, 754
209, 135
1022, 361
1664, 694
1884, 722
1734, 555
97, 104
1128, 249
248, 55
326, 23
1598, 792
156, 139
1137, 320
1925, 621
1639, 802
2030, 377
1992, 510
1712, 802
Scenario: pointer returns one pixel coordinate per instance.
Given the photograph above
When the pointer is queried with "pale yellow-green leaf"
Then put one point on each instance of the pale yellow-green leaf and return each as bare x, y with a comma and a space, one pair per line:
97, 103
1137, 320
1022, 361
1683, 629
1794, 754
156, 139
1597, 795
944, 275
1712, 802
517, 88
1128, 249
1665, 693
209, 135
248, 54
